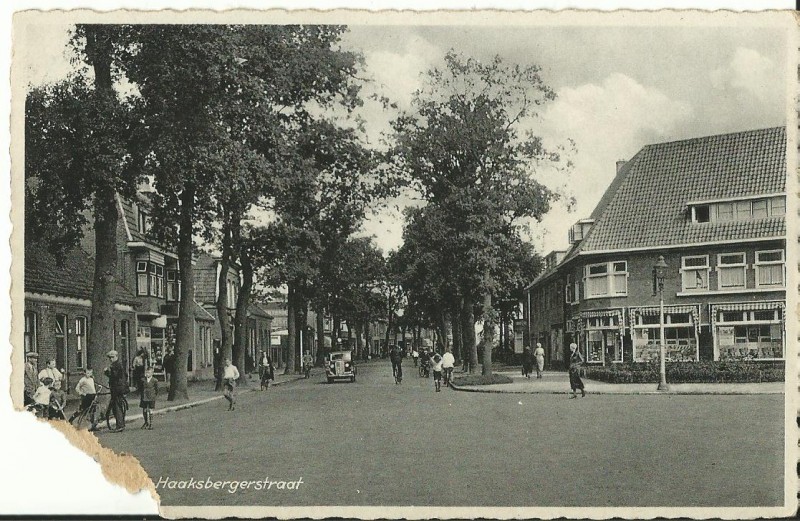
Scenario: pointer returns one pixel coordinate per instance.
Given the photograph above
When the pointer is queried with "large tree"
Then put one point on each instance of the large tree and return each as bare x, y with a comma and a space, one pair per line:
78, 135
470, 152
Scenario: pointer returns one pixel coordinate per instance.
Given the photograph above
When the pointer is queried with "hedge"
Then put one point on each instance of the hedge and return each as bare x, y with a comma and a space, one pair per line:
478, 379
689, 372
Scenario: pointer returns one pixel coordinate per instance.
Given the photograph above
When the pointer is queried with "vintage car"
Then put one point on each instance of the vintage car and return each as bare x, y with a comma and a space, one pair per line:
339, 364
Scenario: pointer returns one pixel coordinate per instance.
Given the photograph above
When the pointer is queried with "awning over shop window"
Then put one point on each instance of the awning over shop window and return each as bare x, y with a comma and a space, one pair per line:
692, 310
584, 315
748, 306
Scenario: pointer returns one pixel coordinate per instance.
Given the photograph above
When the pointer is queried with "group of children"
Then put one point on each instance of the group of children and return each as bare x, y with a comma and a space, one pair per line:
50, 399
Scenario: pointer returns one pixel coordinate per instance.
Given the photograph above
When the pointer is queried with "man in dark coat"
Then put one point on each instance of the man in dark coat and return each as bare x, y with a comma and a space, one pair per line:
118, 385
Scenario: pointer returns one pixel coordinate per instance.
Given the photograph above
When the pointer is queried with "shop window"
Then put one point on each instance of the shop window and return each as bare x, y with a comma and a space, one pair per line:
680, 343
594, 346
731, 270
606, 279
769, 268
31, 332
694, 272
80, 342
750, 341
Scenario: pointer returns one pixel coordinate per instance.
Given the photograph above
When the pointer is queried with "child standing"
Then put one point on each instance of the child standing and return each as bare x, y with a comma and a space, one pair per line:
41, 398
87, 391
57, 399
149, 387
230, 374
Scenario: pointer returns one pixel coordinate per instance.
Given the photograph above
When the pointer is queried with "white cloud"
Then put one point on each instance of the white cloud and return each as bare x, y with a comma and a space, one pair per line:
749, 72
398, 74
609, 121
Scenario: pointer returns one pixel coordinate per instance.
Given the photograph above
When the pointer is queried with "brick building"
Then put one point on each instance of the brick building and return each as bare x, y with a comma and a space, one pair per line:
714, 208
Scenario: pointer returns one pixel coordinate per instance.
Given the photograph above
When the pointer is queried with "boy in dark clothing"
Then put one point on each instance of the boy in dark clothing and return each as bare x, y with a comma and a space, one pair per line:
149, 387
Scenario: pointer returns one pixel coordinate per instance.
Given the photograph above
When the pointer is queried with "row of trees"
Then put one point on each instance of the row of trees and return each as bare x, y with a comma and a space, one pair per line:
225, 121
228, 122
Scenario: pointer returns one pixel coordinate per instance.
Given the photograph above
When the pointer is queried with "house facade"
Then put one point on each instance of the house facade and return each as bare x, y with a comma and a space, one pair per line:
714, 208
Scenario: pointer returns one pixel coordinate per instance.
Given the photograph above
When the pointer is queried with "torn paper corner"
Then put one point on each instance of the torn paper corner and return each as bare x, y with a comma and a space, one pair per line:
120, 469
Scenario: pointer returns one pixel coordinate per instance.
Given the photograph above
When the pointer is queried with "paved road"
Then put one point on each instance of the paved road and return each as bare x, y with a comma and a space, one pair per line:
377, 443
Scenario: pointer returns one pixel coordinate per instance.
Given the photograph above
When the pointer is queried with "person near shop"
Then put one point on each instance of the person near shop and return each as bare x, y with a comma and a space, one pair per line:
538, 353
527, 362
149, 393
230, 374
31, 377
118, 386
58, 399
169, 365
575, 364
51, 372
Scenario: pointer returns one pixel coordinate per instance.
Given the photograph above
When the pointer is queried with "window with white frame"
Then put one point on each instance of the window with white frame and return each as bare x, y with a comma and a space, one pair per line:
568, 291
80, 342
606, 279
141, 278
769, 269
173, 286
144, 221
731, 270
694, 272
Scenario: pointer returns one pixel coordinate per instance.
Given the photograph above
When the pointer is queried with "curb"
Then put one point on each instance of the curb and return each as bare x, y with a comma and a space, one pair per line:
190, 405
622, 392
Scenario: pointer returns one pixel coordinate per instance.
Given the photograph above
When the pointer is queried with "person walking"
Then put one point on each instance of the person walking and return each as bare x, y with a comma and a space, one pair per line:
527, 362
230, 374
31, 378
169, 365
538, 353
575, 363
118, 386
265, 370
415, 356
308, 363
436, 366
147, 401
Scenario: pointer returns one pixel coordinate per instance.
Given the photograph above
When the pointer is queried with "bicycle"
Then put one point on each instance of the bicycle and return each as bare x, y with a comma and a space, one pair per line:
307, 370
90, 413
424, 369
397, 372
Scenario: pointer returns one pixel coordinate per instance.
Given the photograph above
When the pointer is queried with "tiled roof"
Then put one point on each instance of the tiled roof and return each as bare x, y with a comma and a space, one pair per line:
257, 311
649, 206
200, 313
72, 277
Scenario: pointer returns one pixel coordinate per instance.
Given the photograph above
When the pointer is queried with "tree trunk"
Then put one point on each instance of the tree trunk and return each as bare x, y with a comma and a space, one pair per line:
322, 351
185, 336
443, 330
456, 326
468, 334
101, 330
291, 318
488, 334
222, 297
241, 323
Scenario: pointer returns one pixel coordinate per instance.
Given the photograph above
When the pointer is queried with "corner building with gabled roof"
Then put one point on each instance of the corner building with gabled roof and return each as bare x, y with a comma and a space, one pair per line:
715, 209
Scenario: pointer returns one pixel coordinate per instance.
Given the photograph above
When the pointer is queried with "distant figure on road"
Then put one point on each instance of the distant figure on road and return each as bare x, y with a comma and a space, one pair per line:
538, 353
265, 370
229, 377
527, 362
575, 363
415, 356
448, 364
396, 356
308, 363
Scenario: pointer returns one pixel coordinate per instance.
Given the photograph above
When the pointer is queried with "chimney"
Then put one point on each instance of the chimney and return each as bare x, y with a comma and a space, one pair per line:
620, 164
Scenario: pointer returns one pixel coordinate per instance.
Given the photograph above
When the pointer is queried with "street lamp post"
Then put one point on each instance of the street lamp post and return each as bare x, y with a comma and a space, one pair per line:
659, 272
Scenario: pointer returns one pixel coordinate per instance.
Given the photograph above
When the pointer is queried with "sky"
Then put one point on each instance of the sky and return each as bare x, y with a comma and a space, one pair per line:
617, 89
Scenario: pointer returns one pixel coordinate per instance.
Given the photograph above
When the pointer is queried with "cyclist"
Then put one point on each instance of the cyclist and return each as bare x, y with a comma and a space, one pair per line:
308, 363
424, 363
87, 391
396, 356
415, 356
448, 363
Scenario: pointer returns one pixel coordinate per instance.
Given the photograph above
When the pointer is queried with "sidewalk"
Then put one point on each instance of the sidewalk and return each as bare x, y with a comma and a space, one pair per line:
558, 383
199, 393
